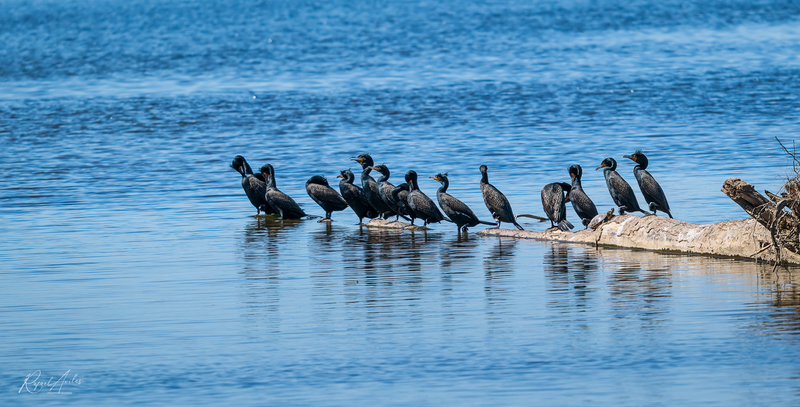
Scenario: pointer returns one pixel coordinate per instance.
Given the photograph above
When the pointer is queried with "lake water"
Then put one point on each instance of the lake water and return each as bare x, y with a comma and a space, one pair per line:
130, 257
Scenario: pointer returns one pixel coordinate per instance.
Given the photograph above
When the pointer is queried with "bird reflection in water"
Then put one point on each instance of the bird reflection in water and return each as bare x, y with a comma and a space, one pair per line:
569, 271
260, 248
456, 259
498, 268
639, 289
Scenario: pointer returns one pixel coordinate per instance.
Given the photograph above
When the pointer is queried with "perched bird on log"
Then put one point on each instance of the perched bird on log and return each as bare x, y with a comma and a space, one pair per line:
621, 192
422, 206
583, 206
457, 211
496, 202
652, 192
254, 185
325, 196
554, 203
354, 196
286, 206
370, 187
400, 195
385, 190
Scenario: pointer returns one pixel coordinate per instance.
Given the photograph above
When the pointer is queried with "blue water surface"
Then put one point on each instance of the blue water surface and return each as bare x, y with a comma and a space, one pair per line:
130, 256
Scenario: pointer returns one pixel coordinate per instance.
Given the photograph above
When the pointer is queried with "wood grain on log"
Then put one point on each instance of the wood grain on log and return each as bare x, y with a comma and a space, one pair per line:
737, 238
755, 204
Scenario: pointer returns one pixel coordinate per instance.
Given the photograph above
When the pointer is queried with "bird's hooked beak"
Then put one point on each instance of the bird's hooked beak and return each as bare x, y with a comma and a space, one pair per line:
340, 176
601, 166
434, 178
375, 168
630, 157
357, 159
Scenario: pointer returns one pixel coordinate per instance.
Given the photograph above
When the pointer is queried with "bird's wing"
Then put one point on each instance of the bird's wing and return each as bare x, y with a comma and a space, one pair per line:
456, 205
651, 190
287, 205
325, 194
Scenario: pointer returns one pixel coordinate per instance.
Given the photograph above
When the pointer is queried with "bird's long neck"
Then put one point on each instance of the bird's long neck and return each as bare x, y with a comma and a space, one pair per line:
365, 174
484, 177
445, 184
384, 176
247, 169
413, 185
271, 180
576, 182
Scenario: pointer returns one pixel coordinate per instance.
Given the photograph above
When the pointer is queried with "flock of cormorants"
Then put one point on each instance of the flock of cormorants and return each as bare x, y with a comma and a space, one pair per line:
381, 199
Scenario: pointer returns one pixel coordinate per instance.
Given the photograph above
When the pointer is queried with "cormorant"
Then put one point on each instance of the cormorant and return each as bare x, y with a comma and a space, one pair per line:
457, 211
583, 206
422, 206
554, 203
325, 196
385, 189
620, 191
254, 185
286, 206
354, 196
400, 194
370, 187
652, 192
496, 202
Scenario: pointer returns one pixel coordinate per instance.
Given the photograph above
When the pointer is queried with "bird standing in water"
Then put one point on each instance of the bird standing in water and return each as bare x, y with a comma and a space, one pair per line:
496, 202
554, 203
286, 206
254, 185
621, 192
354, 196
422, 206
583, 206
652, 192
370, 187
457, 211
325, 196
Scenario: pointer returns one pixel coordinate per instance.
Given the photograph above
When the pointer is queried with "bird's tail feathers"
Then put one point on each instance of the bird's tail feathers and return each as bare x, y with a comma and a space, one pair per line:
565, 225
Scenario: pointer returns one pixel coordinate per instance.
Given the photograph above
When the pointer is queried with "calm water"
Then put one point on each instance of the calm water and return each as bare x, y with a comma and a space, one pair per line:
131, 259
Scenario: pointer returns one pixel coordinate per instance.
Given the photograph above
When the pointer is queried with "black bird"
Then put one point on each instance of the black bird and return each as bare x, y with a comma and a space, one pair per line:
325, 196
370, 187
254, 185
422, 206
457, 211
354, 196
286, 206
620, 191
496, 202
400, 195
554, 203
385, 189
583, 206
652, 192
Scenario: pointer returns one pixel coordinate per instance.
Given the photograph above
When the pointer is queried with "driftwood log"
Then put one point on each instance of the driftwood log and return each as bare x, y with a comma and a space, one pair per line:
770, 235
390, 224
